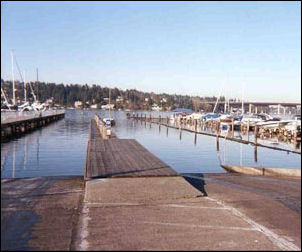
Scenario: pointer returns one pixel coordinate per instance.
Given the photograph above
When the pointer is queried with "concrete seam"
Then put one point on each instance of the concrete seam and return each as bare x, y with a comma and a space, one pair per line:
275, 238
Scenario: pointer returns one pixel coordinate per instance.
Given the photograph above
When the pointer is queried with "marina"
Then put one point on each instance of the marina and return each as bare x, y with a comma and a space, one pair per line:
184, 151
151, 126
285, 131
140, 198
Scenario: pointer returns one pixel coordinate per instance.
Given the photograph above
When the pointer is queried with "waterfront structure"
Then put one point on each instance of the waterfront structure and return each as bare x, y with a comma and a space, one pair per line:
78, 104
94, 106
107, 106
14, 124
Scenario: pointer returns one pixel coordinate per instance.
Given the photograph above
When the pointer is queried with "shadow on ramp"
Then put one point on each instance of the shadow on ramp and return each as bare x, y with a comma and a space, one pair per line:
196, 181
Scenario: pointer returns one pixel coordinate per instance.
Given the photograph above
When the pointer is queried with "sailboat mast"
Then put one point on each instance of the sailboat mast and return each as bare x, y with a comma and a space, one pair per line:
5, 98
109, 103
242, 104
216, 102
14, 94
25, 91
32, 91
22, 78
37, 84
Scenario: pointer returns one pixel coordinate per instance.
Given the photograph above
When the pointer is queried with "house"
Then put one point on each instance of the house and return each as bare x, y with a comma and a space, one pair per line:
155, 107
78, 104
119, 99
94, 106
163, 100
107, 106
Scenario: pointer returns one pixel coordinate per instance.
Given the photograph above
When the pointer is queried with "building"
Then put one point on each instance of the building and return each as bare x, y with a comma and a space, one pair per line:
107, 106
155, 107
119, 99
78, 104
163, 100
94, 106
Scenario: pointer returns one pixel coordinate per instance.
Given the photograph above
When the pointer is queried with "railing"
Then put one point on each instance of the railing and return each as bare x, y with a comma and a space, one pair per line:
17, 115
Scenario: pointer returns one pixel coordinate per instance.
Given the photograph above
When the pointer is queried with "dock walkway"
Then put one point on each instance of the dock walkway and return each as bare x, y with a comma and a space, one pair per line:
14, 124
157, 211
116, 157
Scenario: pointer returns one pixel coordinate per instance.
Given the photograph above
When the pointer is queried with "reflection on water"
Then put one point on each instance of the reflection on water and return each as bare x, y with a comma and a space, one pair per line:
60, 148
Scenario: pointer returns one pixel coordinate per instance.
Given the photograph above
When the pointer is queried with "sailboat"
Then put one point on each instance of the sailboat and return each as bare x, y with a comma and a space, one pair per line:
6, 106
36, 105
109, 121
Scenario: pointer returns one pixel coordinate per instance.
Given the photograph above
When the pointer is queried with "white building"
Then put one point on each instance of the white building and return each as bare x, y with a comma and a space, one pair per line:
119, 99
94, 106
107, 106
78, 104
155, 107
163, 100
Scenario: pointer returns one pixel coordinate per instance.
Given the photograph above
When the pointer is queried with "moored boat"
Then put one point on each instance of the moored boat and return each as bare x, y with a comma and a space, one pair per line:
108, 121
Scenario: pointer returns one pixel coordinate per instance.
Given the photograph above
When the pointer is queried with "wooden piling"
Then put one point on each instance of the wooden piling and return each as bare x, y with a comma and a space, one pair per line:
255, 135
233, 127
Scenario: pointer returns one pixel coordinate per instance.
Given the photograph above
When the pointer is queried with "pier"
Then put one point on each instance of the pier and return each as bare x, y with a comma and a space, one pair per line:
146, 208
212, 128
116, 157
14, 124
128, 199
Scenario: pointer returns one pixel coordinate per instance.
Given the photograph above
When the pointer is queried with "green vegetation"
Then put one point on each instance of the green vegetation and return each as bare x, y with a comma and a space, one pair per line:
66, 95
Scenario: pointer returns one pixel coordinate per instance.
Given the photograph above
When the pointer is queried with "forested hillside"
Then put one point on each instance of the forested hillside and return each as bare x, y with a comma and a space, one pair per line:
66, 95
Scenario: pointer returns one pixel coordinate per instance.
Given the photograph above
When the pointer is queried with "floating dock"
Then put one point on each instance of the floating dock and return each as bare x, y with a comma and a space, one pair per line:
214, 130
116, 157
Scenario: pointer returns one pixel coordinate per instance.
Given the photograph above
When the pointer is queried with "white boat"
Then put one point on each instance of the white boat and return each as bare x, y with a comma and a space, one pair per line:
178, 116
35, 106
256, 118
108, 121
25, 107
175, 117
194, 116
211, 116
294, 124
271, 124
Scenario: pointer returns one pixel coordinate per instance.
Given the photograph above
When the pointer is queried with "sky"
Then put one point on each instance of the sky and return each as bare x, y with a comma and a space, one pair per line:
250, 50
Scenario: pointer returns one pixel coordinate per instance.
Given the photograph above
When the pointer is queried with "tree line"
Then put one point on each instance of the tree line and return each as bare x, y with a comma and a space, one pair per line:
67, 95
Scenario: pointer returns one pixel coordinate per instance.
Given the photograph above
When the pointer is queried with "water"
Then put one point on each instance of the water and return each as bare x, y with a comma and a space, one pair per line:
60, 148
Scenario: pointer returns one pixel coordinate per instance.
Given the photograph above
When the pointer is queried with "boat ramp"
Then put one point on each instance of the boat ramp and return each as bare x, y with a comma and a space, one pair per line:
128, 199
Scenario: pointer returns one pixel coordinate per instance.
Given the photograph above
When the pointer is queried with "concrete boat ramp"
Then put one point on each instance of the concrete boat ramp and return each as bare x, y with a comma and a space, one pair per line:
128, 204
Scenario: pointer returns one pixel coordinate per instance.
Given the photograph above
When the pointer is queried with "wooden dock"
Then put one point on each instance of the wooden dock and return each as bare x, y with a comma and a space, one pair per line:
116, 157
193, 212
17, 123
198, 126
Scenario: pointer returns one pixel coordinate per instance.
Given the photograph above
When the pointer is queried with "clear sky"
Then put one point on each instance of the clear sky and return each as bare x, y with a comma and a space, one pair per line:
194, 48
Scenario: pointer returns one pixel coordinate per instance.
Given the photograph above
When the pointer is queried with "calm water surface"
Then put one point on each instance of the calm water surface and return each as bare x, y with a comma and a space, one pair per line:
60, 148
